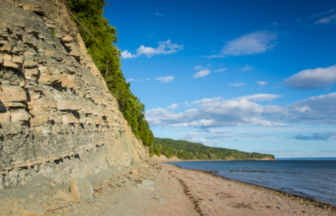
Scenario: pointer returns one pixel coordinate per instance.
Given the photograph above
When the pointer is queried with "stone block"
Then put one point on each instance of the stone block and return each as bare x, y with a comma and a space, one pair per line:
39, 111
5, 49
30, 64
44, 78
57, 78
75, 54
44, 75
7, 62
62, 196
38, 120
83, 61
68, 105
19, 115
12, 93
99, 122
18, 59
43, 70
67, 39
90, 121
49, 53
51, 25
31, 73
13, 104
86, 109
81, 189
68, 119
38, 103
59, 36
38, 10
4, 117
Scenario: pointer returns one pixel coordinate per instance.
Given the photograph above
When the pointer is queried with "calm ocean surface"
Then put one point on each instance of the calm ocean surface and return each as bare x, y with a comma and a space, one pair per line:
308, 178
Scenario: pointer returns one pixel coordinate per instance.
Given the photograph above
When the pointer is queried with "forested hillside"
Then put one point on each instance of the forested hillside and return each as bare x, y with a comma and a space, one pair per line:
100, 39
196, 151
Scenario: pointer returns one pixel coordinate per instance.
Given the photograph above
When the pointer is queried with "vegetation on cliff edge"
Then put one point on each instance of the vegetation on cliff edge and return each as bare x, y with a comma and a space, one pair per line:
196, 151
101, 46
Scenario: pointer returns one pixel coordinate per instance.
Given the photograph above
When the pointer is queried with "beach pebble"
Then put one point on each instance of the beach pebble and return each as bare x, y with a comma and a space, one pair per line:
144, 187
212, 200
33, 210
160, 200
147, 182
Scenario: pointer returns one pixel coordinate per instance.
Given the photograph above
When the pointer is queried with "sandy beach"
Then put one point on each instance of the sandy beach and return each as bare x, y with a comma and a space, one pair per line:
174, 191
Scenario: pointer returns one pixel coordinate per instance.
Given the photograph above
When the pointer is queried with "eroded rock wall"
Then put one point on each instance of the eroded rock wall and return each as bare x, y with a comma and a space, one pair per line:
57, 118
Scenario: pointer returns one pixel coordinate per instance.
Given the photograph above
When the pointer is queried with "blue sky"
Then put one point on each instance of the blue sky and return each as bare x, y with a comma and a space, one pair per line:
256, 76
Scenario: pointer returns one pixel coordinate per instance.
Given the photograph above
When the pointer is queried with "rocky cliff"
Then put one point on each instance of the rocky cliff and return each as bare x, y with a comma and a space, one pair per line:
57, 117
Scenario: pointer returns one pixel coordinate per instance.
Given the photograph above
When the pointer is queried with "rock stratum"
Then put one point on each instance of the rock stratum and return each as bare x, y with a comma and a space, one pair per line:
57, 117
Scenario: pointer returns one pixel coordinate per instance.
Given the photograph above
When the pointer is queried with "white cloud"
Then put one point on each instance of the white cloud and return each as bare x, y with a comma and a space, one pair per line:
238, 84
202, 73
173, 106
247, 68
164, 48
161, 79
199, 67
260, 97
327, 20
262, 83
249, 44
323, 13
166, 79
125, 55
157, 14
215, 112
191, 138
130, 80
218, 112
220, 70
313, 78
314, 110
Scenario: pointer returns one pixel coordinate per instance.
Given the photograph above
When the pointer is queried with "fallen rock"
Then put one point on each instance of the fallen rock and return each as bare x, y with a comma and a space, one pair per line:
62, 196
134, 172
144, 187
81, 189
212, 200
33, 210
160, 200
147, 182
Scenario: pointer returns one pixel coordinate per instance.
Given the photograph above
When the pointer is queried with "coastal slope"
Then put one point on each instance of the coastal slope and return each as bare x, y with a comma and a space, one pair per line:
58, 119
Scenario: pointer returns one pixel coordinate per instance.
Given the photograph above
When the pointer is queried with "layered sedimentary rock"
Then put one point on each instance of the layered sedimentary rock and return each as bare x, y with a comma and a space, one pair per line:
57, 117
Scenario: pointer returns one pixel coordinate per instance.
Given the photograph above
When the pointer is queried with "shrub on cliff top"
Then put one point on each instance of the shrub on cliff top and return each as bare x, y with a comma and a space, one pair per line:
106, 56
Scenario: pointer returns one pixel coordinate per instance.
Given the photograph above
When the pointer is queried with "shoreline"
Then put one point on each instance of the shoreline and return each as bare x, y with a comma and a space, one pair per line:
317, 203
170, 190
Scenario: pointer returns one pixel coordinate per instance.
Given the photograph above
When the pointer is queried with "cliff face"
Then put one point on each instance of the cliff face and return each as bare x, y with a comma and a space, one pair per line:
57, 118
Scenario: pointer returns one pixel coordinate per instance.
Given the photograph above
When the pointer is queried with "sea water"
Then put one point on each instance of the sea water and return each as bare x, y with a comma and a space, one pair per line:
314, 179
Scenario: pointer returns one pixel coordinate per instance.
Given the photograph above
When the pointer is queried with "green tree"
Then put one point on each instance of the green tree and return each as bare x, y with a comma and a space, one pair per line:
100, 39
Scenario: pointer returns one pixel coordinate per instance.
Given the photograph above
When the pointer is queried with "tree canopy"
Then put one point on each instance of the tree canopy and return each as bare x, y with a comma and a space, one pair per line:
196, 151
106, 56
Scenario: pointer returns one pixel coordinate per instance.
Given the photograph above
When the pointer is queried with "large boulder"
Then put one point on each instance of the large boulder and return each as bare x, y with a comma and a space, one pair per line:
81, 189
